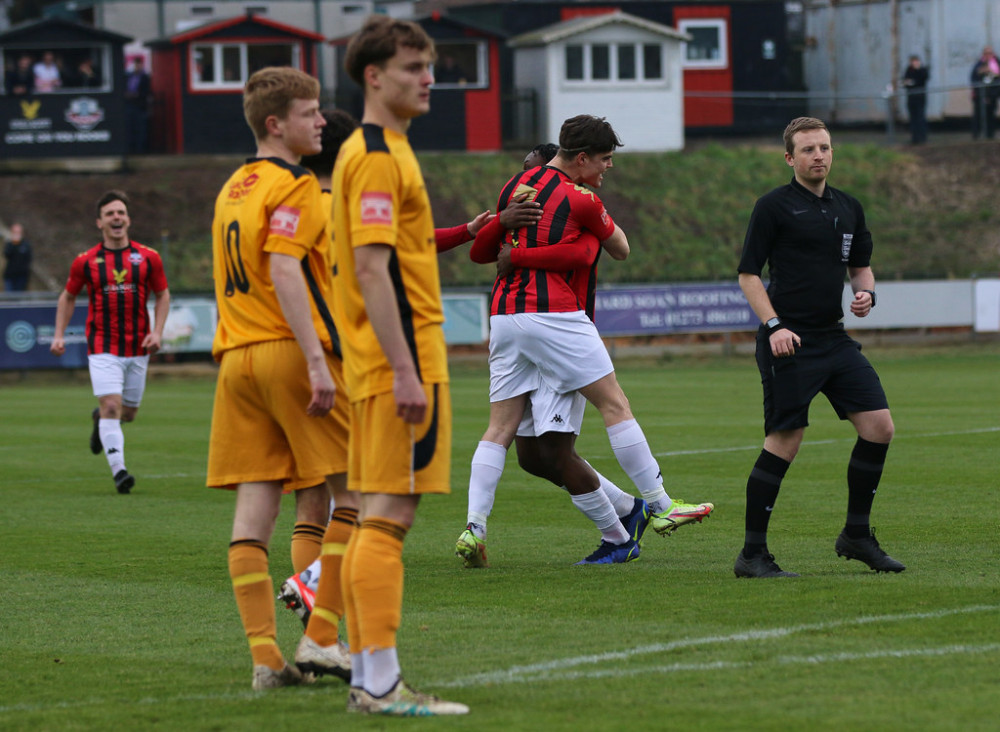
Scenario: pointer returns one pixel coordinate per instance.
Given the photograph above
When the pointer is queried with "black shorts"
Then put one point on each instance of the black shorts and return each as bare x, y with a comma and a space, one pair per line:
828, 361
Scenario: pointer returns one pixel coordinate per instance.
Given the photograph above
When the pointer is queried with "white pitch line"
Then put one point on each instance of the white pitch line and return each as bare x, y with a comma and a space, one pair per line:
564, 671
516, 674
814, 659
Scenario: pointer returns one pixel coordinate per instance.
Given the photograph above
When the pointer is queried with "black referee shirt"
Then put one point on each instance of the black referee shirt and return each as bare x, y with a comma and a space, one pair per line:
808, 242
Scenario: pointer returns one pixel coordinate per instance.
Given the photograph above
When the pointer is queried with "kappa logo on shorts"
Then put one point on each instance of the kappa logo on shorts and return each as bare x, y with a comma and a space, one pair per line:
557, 419
376, 208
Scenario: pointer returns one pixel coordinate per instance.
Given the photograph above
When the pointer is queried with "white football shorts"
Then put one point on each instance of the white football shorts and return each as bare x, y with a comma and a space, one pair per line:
562, 350
125, 375
549, 411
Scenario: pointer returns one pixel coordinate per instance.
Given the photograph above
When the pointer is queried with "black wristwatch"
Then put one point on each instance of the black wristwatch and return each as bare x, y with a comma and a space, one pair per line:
773, 324
872, 293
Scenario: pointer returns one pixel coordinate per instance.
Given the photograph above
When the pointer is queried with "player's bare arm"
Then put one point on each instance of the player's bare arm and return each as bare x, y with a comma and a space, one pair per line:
371, 265
290, 287
617, 244
783, 340
64, 312
153, 341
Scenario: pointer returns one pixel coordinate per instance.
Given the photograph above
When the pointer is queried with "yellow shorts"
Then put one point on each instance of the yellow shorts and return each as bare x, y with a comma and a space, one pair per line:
260, 430
388, 455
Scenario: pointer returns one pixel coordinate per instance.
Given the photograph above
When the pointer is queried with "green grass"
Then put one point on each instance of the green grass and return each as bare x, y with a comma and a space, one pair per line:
117, 610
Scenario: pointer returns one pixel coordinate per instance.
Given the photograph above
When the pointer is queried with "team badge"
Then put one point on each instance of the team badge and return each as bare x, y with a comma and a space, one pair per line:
376, 208
845, 247
135, 258
84, 113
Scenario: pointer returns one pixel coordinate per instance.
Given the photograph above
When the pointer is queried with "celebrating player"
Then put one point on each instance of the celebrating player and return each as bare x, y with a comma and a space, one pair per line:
119, 275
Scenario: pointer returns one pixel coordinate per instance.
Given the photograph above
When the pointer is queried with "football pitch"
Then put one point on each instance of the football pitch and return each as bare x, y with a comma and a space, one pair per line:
117, 611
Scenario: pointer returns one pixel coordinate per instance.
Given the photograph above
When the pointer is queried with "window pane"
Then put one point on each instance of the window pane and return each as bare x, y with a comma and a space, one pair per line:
574, 62
652, 61
458, 62
600, 61
626, 62
268, 54
704, 44
231, 67
204, 63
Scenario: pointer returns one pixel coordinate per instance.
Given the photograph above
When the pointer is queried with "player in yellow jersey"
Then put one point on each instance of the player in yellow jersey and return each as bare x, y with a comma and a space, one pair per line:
388, 301
273, 285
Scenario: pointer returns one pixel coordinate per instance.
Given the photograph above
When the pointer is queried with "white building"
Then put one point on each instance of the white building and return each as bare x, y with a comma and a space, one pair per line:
615, 65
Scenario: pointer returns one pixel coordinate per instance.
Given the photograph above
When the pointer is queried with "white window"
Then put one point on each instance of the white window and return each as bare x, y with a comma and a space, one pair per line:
461, 65
624, 62
708, 47
229, 65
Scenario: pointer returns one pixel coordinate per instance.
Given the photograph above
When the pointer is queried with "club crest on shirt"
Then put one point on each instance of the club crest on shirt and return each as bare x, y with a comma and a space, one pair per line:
845, 247
376, 208
523, 189
135, 258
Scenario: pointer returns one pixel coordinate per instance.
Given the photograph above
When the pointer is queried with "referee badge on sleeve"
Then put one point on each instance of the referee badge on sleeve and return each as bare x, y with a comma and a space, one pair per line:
845, 247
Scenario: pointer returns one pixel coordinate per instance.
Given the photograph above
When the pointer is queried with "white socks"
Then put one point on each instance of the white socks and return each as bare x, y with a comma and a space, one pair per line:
487, 466
114, 443
381, 671
598, 509
630, 447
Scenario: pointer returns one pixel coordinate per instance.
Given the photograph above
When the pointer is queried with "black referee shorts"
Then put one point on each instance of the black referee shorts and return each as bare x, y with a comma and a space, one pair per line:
828, 361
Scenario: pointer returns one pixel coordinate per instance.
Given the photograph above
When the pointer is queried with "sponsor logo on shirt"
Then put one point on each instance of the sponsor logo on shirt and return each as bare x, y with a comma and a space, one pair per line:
376, 208
241, 188
285, 221
120, 275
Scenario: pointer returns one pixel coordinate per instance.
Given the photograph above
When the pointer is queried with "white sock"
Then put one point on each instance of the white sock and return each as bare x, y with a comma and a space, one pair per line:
487, 466
381, 671
310, 575
630, 447
622, 501
596, 506
113, 441
358, 669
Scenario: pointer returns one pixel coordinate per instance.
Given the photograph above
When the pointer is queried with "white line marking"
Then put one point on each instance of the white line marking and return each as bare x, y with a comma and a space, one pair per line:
816, 659
517, 673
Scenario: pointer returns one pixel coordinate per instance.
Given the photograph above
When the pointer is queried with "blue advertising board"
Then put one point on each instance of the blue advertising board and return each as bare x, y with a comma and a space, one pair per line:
667, 309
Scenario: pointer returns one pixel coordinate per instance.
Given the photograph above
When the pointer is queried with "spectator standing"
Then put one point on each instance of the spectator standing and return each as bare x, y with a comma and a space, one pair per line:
915, 82
20, 80
985, 80
137, 90
17, 253
47, 76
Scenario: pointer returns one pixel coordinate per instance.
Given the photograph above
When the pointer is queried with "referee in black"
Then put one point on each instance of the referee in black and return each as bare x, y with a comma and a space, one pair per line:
810, 235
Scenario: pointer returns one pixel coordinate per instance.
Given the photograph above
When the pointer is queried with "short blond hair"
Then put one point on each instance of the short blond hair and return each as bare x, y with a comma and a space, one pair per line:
271, 91
801, 124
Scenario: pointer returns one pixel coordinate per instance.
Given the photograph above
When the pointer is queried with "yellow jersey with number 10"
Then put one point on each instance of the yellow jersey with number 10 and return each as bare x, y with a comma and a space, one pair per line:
268, 206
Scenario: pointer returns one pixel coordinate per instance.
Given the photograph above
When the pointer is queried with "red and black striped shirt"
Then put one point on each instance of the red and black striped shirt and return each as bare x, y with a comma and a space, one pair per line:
119, 282
568, 211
